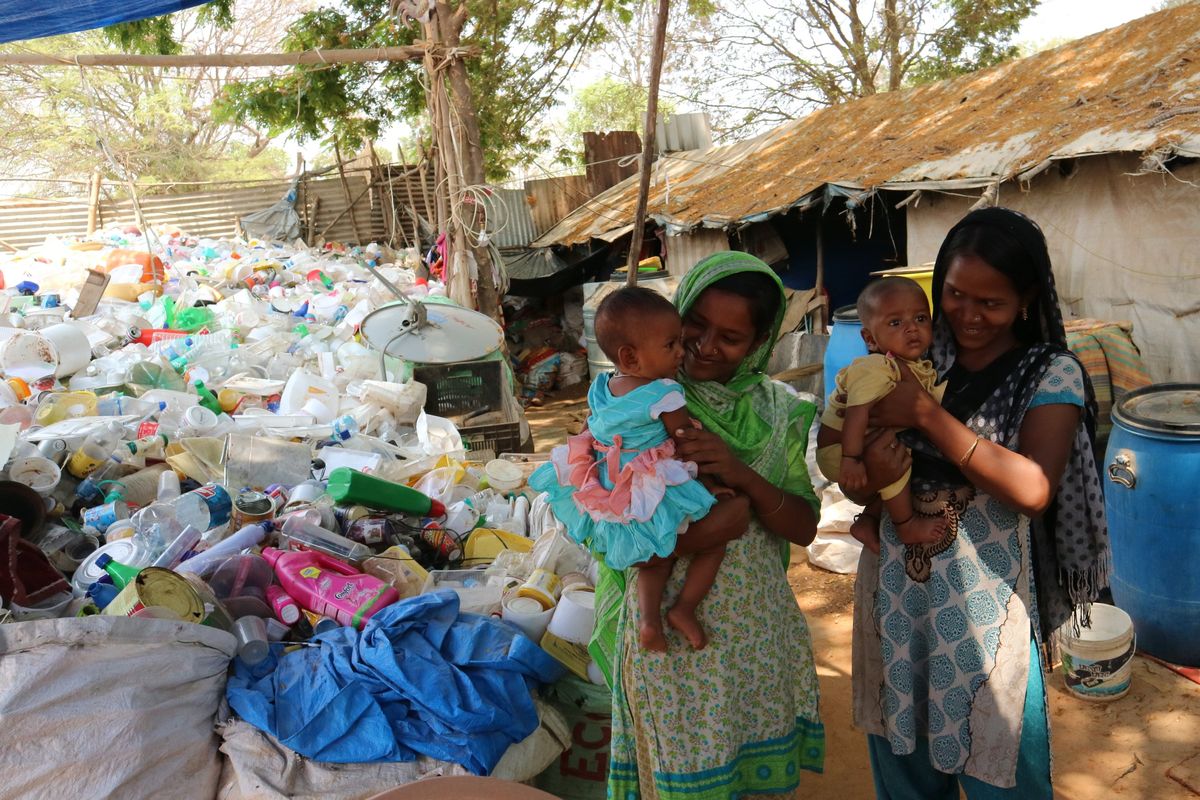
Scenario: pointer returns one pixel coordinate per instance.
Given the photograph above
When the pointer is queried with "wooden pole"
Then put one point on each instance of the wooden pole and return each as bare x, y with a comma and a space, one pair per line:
312, 226
386, 204
94, 203
416, 228
337, 56
656, 59
337, 152
819, 313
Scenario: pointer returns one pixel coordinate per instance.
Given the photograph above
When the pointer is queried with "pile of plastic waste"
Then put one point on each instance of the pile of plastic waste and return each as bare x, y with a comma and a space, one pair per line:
215, 444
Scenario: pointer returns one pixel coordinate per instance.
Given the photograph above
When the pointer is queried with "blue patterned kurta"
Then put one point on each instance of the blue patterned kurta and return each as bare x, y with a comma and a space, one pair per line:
942, 644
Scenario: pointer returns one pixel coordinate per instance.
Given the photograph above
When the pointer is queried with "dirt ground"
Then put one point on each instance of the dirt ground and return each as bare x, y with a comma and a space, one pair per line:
1144, 745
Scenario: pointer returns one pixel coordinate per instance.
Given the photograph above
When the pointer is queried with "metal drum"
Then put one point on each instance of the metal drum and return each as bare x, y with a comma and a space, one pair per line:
845, 344
1152, 469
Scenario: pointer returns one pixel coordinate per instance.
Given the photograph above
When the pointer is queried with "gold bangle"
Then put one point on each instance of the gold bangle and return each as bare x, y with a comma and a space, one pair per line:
962, 462
782, 500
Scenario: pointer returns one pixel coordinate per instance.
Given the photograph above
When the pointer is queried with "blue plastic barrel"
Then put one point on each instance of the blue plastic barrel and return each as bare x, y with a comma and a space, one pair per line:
1152, 469
845, 344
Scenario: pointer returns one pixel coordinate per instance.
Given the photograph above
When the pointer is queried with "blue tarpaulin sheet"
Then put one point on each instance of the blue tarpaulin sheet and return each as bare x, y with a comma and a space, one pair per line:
420, 679
33, 19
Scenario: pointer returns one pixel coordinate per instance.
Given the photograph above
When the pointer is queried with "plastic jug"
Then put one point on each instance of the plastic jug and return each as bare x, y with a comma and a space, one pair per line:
324, 585
306, 393
351, 487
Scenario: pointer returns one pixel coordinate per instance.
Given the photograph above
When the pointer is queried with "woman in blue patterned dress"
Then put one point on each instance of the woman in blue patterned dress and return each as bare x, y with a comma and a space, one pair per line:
947, 673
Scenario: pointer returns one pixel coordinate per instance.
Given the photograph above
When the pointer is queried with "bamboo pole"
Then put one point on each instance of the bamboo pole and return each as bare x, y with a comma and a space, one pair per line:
416, 228
336, 56
337, 152
819, 313
639, 219
94, 203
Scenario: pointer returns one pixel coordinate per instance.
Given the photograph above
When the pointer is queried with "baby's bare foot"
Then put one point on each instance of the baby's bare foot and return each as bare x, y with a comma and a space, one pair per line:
684, 620
921, 530
866, 530
652, 637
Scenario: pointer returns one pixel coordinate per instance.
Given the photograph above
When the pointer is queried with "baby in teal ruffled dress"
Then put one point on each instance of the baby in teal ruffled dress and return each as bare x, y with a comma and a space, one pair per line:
618, 487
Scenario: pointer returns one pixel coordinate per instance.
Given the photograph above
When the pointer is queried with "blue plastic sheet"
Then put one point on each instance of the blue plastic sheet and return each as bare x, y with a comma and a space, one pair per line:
419, 680
22, 19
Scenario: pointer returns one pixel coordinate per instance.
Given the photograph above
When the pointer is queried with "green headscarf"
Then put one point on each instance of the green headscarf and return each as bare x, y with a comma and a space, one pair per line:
763, 422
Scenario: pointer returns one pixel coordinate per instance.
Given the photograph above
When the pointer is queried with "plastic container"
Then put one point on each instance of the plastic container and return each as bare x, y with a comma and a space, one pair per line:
503, 476
71, 345
303, 387
1154, 518
351, 487
245, 538
1096, 664
65, 405
286, 609
300, 534
528, 615
95, 451
251, 633
845, 345
326, 586
38, 473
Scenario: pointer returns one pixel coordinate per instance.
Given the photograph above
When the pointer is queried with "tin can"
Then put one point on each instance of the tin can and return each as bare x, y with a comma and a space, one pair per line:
251, 507
348, 515
370, 530
442, 544
54, 449
543, 586
155, 586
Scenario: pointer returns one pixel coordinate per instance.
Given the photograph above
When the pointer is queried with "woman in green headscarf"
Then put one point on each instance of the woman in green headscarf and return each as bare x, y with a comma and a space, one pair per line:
738, 718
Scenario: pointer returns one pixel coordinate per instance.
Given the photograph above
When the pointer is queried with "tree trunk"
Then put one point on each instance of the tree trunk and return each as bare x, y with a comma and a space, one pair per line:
469, 150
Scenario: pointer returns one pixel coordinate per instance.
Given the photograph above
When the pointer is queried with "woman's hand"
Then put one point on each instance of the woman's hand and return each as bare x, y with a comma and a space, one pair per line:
886, 460
903, 407
711, 455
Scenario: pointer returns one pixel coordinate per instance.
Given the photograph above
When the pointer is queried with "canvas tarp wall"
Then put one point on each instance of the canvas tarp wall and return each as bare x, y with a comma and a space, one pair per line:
1123, 246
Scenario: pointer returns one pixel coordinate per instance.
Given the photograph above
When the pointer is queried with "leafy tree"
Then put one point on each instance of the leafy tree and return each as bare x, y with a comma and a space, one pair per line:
776, 59
156, 123
526, 50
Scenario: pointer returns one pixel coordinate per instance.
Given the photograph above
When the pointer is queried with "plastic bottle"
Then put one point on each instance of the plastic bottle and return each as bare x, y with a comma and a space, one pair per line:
300, 534
204, 509
95, 451
185, 542
207, 398
65, 405
324, 585
247, 537
122, 574
283, 604
351, 487
116, 405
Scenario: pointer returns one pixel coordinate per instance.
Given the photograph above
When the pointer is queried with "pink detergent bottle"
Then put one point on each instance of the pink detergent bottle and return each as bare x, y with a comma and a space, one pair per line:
329, 587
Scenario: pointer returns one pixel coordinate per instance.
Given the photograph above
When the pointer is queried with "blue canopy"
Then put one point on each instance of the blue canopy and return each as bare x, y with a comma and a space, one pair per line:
26, 19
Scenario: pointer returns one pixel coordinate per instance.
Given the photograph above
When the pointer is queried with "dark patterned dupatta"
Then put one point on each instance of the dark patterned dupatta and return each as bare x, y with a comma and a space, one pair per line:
1070, 539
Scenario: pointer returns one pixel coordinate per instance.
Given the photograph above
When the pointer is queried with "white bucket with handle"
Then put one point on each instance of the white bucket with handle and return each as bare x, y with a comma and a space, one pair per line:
1097, 664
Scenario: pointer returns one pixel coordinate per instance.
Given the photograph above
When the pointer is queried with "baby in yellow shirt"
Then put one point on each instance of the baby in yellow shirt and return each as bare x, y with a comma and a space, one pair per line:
897, 326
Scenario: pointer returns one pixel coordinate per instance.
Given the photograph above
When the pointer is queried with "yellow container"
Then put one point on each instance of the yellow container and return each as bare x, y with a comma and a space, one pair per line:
543, 586
922, 275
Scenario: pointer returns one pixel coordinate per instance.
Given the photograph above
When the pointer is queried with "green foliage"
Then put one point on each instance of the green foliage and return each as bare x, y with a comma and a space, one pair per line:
526, 51
156, 35
979, 35
156, 123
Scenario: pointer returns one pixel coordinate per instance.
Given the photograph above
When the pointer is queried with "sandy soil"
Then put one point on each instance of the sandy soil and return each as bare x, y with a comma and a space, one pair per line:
1144, 745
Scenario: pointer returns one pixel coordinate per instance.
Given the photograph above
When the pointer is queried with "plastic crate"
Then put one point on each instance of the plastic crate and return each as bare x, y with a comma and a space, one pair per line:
504, 437
464, 388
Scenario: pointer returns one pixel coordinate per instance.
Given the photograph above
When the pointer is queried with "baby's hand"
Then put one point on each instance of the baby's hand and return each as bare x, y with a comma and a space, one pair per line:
717, 490
853, 474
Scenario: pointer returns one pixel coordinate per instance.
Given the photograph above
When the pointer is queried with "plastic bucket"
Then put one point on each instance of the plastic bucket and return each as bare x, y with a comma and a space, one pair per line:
28, 356
845, 345
72, 345
1097, 664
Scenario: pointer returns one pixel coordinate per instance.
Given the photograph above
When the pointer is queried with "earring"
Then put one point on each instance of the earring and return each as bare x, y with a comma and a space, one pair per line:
1025, 313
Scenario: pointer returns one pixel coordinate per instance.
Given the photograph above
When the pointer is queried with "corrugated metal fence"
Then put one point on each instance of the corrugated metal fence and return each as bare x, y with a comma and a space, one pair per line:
321, 203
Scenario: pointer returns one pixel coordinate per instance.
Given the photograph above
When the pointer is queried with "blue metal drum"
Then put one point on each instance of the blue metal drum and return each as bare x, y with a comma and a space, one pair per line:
845, 344
1153, 503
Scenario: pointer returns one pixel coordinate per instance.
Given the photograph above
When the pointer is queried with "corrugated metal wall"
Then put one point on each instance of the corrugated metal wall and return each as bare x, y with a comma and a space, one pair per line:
509, 219
552, 199
214, 213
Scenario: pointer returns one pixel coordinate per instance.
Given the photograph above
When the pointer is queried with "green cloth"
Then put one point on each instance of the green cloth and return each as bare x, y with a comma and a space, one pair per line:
748, 413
